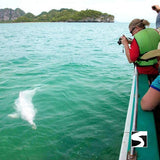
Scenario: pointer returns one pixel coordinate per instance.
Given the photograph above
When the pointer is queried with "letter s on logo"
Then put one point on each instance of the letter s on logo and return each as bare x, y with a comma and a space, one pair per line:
140, 137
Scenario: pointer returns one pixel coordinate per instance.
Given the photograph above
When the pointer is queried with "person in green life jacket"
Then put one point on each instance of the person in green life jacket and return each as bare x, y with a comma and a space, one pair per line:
145, 40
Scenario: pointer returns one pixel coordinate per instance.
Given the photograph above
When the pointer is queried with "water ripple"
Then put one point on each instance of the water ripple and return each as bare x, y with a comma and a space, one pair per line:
83, 83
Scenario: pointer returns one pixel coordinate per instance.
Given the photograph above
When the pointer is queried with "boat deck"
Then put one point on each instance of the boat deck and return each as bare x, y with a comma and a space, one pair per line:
145, 122
157, 122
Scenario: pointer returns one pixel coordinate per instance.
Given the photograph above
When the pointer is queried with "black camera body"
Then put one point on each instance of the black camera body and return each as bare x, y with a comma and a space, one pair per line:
119, 41
128, 39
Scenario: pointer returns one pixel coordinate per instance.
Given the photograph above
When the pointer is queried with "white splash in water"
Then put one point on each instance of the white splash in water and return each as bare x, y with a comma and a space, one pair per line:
24, 107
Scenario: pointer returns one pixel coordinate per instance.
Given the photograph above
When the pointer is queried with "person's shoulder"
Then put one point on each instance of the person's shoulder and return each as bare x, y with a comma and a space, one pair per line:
134, 42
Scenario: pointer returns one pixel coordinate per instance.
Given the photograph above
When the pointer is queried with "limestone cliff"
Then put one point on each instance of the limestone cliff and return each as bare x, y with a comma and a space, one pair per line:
8, 14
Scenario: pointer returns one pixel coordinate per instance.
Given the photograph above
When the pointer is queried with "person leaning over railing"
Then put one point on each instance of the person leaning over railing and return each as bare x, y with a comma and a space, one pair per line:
145, 40
152, 98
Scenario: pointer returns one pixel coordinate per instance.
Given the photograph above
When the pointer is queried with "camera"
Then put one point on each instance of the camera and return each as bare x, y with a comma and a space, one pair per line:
128, 39
154, 7
119, 41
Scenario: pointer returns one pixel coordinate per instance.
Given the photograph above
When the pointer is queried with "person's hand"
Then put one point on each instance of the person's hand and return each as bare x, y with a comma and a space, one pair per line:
124, 40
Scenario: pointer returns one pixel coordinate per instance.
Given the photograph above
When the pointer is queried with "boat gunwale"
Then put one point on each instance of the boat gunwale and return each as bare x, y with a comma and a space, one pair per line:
126, 134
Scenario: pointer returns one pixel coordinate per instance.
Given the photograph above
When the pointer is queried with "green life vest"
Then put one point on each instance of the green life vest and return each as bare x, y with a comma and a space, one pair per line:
147, 40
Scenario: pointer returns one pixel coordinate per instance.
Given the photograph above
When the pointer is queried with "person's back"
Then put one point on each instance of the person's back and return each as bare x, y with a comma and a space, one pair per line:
147, 40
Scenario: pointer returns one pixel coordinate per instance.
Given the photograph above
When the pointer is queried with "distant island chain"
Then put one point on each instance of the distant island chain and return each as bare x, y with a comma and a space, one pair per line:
54, 15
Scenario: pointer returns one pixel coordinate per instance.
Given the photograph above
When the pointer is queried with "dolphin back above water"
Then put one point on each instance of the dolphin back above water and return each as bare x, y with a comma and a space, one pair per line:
24, 107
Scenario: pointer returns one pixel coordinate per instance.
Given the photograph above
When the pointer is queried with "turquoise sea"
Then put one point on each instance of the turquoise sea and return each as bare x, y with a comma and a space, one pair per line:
64, 91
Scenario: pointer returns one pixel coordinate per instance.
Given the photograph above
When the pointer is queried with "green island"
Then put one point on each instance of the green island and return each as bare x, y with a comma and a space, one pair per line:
8, 15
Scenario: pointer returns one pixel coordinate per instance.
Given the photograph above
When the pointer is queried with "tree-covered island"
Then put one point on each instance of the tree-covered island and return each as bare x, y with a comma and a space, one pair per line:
62, 15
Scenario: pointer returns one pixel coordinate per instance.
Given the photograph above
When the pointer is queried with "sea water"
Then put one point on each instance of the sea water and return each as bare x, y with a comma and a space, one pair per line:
64, 91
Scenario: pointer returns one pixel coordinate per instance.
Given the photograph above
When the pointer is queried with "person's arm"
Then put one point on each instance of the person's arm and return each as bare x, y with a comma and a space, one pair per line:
126, 47
150, 100
132, 51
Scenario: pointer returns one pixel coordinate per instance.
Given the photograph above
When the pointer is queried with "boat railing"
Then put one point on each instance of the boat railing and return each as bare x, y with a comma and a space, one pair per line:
132, 154
133, 104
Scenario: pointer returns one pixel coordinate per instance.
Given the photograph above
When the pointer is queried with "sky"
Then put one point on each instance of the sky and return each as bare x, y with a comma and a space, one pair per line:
123, 10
